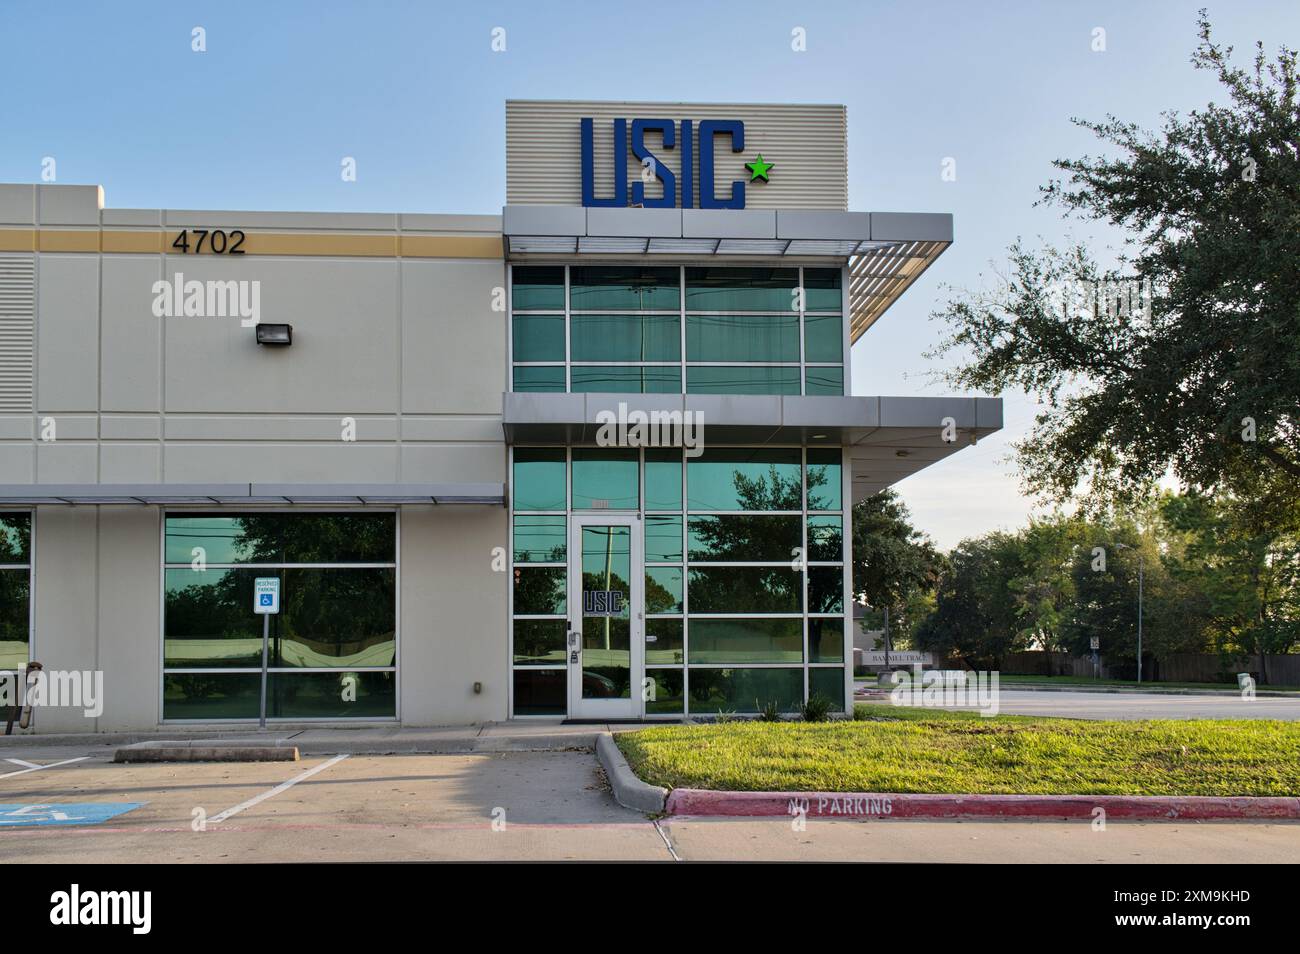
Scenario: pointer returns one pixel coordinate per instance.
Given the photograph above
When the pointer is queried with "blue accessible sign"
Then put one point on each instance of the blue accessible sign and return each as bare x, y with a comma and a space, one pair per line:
266, 595
67, 813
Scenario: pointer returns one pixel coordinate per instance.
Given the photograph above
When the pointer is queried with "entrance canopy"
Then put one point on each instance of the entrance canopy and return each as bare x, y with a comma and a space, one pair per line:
240, 494
889, 438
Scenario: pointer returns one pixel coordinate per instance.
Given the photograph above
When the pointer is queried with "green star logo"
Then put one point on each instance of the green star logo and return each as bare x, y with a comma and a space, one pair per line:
758, 169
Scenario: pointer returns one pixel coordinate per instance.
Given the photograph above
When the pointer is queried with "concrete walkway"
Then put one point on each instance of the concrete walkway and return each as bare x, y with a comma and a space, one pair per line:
520, 736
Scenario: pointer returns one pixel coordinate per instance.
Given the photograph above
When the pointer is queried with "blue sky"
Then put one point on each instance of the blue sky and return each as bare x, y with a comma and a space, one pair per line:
414, 91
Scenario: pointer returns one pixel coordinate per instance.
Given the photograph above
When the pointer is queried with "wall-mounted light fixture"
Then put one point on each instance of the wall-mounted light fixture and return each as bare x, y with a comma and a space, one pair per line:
274, 334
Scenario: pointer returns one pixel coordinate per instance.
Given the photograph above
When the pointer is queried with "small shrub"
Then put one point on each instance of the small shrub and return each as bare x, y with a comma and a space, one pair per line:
769, 711
817, 708
724, 716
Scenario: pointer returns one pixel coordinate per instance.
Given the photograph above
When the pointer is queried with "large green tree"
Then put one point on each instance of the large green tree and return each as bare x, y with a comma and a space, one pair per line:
1244, 571
895, 566
975, 616
1200, 375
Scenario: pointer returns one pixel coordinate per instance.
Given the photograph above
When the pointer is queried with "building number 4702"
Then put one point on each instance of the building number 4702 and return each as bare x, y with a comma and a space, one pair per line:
218, 241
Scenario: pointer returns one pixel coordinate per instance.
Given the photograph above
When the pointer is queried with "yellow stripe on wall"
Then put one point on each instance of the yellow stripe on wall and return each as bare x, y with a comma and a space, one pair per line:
336, 244
60, 240
17, 240
132, 241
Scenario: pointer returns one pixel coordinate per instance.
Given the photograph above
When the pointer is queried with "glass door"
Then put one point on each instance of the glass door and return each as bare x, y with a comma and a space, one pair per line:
606, 650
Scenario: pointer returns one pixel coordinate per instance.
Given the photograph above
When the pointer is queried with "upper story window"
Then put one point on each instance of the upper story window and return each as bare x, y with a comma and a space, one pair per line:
675, 329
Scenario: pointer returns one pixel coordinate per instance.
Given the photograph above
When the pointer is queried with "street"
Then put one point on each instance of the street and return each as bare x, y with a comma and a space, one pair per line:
1139, 705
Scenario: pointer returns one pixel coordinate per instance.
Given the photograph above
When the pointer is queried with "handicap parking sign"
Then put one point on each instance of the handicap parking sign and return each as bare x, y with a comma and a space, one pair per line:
266, 595
67, 813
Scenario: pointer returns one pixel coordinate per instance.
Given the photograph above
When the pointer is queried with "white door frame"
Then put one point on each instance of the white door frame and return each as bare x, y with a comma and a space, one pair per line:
632, 707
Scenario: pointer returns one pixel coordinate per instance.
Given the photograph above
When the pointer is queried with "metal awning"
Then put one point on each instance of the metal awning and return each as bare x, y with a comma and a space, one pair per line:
248, 494
888, 438
886, 251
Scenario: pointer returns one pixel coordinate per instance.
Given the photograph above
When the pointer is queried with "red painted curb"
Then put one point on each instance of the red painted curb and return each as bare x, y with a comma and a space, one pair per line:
695, 801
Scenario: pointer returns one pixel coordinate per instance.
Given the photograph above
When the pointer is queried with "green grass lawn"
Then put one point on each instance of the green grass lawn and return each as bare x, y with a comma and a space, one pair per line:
889, 749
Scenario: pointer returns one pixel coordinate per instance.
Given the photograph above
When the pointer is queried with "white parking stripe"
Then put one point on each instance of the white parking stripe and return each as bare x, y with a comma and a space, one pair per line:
283, 786
22, 763
37, 768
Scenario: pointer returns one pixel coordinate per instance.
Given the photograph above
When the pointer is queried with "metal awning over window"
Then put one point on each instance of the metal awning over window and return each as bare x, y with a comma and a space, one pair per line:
250, 494
886, 251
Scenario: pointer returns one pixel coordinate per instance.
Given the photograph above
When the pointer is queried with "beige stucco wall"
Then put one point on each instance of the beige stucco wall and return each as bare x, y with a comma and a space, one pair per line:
410, 345
96, 608
453, 606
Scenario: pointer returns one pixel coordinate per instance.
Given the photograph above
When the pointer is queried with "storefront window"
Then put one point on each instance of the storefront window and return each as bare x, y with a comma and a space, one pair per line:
332, 649
724, 288
663, 480
15, 589
745, 690
824, 381
821, 289
665, 694
825, 538
538, 337
540, 539
671, 330
746, 640
539, 380
624, 288
824, 481
539, 478
732, 478
769, 339
823, 340
540, 642
538, 288
745, 538
663, 589
539, 692
663, 538
624, 379
605, 479
739, 379
624, 338
744, 595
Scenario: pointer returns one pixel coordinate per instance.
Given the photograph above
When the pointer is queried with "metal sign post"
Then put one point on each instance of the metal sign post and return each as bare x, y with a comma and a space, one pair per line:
266, 603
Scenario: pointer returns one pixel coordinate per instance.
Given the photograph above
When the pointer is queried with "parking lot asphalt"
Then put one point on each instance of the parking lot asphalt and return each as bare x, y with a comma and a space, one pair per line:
500, 807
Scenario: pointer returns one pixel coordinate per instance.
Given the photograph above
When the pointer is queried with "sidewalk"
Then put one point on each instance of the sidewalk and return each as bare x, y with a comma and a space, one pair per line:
530, 736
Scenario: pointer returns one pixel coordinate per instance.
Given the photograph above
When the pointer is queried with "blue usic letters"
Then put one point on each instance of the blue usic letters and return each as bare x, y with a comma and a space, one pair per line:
709, 131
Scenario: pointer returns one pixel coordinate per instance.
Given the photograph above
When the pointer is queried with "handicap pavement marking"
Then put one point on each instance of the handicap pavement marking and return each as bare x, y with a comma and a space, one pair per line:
68, 813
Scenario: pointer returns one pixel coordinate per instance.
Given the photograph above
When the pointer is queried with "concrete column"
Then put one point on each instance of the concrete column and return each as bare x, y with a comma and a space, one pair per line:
453, 615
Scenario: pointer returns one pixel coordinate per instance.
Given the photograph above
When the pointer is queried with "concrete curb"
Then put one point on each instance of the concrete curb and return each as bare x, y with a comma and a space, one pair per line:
484, 745
198, 750
354, 741
629, 791
694, 801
